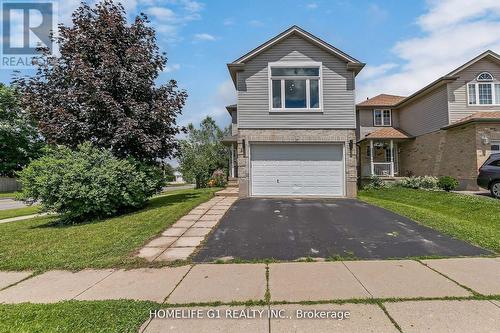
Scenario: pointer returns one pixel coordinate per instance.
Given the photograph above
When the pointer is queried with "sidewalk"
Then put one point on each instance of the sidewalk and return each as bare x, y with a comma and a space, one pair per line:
412, 292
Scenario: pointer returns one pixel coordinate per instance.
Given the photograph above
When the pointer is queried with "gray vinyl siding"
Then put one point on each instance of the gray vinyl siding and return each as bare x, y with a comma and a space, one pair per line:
457, 90
427, 114
338, 90
365, 121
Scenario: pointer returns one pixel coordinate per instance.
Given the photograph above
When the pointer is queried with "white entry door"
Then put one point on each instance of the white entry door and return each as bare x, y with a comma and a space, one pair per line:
297, 170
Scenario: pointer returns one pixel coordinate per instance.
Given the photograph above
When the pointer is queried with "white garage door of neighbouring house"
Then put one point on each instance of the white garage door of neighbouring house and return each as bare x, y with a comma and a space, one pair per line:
297, 170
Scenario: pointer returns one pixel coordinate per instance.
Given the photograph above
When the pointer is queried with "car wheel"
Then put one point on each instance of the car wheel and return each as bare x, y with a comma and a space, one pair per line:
495, 189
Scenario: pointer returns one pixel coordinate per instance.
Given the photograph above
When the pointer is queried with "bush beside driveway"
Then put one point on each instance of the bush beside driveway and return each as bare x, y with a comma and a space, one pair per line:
42, 244
472, 219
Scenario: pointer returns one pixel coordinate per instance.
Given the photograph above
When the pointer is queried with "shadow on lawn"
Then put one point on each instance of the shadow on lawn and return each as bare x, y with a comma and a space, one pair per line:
152, 204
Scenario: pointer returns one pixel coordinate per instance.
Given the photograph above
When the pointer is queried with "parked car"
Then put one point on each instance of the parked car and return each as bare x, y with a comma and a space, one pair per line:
489, 175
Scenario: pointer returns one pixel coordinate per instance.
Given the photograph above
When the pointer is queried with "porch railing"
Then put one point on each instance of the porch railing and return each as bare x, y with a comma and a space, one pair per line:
385, 169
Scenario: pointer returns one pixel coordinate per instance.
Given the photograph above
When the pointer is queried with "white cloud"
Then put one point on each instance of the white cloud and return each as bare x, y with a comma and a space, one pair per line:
377, 13
256, 23
447, 42
224, 95
370, 72
172, 68
312, 5
204, 37
228, 21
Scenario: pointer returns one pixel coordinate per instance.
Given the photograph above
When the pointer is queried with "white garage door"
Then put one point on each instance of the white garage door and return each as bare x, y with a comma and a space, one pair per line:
297, 169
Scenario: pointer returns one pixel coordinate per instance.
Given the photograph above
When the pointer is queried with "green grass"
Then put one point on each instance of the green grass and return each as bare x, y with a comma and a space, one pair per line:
42, 244
9, 195
75, 316
473, 219
8, 213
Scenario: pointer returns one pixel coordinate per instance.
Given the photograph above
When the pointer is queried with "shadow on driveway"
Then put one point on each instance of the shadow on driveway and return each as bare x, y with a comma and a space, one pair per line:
288, 229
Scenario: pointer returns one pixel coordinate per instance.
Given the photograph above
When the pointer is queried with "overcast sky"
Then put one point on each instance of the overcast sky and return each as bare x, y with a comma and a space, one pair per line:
405, 44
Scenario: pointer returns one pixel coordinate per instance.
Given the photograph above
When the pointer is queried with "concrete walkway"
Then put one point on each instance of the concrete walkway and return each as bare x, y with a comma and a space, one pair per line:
398, 285
180, 240
21, 218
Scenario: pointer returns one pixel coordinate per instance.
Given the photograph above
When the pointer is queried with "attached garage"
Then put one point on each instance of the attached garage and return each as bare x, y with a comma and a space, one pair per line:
297, 169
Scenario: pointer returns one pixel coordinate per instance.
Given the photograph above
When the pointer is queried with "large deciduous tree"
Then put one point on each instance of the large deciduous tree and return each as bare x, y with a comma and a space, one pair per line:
202, 152
101, 86
19, 140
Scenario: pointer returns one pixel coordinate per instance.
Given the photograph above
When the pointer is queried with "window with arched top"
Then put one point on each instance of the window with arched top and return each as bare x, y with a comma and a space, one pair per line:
485, 76
485, 90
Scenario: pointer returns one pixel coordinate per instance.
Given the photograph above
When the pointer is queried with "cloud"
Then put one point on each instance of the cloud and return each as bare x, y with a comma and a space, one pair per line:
376, 13
228, 21
172, 68
255, 23
312, 5
370, 72
169, 16
215, 107
204, 37
448, 40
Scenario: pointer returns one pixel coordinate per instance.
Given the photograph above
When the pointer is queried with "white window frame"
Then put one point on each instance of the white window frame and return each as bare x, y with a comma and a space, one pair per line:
308, 64
476, 84
382, 118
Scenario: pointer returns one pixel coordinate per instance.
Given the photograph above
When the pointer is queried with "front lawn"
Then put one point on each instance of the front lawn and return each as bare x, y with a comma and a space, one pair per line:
15, 212
472, 219
75, 316
7, 195
42, 244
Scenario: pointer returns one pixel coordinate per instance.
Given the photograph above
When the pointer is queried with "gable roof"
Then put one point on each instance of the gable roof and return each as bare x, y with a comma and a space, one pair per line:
382, 100
480, 117
238, 64
451, 76
488, 53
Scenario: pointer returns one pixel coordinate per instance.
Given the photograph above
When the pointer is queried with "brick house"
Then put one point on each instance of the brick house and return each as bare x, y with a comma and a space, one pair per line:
449, 127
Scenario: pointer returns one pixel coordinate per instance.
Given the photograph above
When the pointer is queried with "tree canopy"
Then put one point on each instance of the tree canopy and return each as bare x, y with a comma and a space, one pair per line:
101, 87
19, 140
202, 152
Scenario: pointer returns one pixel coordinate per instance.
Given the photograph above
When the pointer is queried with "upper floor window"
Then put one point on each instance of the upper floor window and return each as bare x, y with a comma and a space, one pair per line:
382, 117
485, 90
295, 86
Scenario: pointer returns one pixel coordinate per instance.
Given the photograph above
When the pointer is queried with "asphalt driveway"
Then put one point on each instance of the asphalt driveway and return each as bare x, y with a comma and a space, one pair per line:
288, 229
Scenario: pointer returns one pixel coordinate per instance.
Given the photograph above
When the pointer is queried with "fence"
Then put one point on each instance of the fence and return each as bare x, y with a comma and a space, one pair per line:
8, 184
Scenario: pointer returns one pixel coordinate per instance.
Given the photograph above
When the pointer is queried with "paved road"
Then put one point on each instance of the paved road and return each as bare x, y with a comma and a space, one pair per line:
288, 229
10, 204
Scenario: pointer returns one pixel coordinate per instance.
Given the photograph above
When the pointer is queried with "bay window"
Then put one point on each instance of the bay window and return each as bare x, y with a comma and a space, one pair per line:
484, 90
295, 87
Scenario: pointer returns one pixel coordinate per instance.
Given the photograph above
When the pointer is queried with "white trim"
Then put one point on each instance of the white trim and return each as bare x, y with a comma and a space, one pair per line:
473, 61
382, 118
476, 85
290, 64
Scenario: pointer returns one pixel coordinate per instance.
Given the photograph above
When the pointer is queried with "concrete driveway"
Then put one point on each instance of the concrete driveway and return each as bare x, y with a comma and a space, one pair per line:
288, 229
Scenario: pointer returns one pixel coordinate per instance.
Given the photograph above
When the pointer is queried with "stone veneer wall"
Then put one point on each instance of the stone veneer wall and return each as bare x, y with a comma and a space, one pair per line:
456, 152
296, 135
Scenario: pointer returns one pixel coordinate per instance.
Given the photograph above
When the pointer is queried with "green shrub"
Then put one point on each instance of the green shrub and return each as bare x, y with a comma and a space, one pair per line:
447, 183
88, 183
375, 183
419, 182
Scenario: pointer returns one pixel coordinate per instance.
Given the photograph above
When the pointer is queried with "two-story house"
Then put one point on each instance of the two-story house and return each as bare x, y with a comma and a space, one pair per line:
449, 127
294, 124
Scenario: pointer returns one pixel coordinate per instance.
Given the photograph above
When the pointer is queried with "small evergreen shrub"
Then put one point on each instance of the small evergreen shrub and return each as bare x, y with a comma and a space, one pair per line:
375, 183
419, 182
447, 183
88, 183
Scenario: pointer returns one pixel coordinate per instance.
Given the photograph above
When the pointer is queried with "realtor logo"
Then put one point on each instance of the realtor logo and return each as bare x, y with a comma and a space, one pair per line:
25, 26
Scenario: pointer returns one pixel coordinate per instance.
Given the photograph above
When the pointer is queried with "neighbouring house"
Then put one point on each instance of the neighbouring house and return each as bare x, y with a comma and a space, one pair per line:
449, 127
294, 124
178, 177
